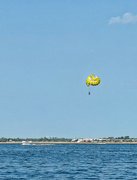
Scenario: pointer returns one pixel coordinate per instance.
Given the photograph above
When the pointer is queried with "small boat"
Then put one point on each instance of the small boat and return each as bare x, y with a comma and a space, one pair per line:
26, 142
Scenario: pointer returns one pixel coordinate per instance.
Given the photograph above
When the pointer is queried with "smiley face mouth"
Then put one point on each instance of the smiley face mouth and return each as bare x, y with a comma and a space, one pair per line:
95, 79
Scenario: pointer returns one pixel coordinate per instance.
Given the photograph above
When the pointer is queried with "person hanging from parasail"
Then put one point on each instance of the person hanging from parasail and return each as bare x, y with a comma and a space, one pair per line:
92, 80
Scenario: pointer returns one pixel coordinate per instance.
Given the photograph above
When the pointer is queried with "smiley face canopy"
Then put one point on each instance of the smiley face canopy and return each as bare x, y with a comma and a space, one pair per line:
92, 80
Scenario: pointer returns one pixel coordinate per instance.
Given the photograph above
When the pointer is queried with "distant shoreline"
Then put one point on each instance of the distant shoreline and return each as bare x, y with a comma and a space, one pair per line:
70, 143
108, 140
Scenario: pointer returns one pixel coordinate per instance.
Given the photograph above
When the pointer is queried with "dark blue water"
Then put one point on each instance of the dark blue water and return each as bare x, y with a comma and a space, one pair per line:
68, 161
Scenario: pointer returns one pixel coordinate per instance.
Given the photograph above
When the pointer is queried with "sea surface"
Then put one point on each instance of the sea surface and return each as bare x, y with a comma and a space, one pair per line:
68, 161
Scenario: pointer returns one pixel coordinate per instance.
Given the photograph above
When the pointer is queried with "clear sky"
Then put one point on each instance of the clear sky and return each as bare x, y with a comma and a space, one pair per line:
48, 48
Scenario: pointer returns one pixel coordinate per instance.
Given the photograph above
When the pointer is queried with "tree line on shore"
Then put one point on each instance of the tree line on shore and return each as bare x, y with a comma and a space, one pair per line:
44, 139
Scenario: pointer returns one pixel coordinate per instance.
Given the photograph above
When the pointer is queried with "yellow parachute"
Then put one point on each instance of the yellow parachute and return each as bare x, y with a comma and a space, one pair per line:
92, 80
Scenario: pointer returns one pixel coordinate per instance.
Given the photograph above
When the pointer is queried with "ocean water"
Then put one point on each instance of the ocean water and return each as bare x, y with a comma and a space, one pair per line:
68, 161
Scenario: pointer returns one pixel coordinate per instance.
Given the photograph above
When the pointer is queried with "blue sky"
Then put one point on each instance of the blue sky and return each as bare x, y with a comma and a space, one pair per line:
48, 48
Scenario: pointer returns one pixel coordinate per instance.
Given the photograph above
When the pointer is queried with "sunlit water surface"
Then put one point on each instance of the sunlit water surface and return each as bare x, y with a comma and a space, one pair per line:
68, 161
